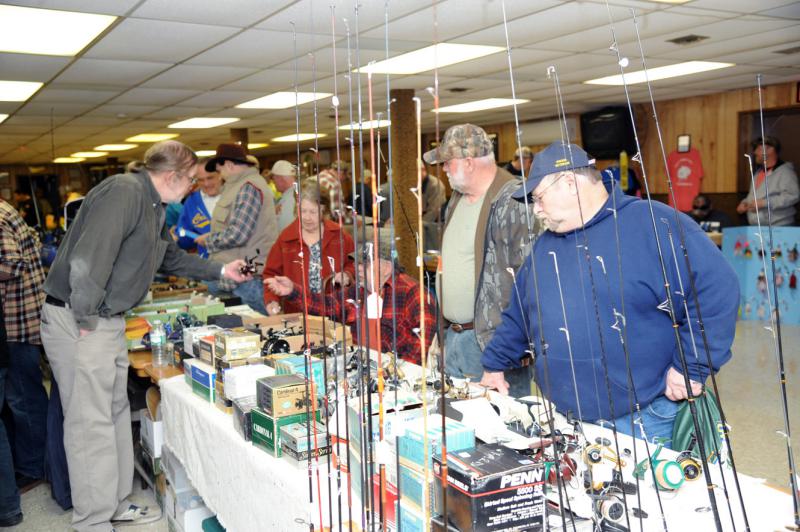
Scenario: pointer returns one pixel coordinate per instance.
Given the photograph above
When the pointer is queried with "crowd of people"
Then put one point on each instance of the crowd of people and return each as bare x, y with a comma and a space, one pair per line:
544, 267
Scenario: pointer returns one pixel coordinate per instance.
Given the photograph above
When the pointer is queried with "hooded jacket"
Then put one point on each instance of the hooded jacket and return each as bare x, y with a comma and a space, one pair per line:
783, 196
582, 290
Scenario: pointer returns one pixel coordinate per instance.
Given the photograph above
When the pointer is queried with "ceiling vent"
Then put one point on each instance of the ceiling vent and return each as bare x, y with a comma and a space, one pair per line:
788, 51
687, 39
458, 89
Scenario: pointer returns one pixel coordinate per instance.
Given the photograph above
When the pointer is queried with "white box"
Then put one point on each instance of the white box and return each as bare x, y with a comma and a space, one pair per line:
193, 334
241, 381
151, 433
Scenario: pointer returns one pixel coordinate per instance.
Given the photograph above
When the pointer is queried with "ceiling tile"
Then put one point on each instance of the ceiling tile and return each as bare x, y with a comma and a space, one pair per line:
138, 39
106, 72
255, 49
28, 67
202, 77
102, 7
58, 95
245, 13
141, 96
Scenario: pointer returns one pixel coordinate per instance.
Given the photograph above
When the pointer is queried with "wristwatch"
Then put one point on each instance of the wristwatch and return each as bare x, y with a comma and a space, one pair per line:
222, 272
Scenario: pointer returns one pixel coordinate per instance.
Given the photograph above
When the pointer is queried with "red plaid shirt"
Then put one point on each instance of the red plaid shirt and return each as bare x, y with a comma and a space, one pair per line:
21, 277
406, 310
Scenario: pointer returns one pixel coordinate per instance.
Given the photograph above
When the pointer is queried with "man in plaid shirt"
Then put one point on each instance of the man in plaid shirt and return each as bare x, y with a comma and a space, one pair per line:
21, 280
405, 310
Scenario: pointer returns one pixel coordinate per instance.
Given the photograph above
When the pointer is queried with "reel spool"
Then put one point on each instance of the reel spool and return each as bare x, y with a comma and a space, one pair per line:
611, 509
668, 474
692, 470
275, 344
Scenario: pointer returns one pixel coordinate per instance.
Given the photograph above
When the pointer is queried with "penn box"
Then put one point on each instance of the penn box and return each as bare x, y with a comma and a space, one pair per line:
283, 395
491, 488
266, 432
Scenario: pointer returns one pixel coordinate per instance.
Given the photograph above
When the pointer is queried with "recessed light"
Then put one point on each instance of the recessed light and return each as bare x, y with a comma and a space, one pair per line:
283, 100
89, 154
27, 30
18, 91
257, 145
299, 137
61, 160
202, 123
3, 118
205, 153
151, 137
438, 55
665, 72
480, 105
368, 124
116, 147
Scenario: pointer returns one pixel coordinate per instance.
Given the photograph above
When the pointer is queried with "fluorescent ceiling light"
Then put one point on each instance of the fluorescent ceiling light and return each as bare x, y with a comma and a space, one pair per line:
116, 147
257, 145
206, 153
283, 100
480, 105
369, 124
61, 160
151, 137
26, 30
89, 154
298, 138
18, 91
3, 118
654, 74
202, 123
438, 55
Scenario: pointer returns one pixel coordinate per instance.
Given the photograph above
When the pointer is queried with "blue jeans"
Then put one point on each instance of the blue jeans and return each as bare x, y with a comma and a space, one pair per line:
9, 494
463, 360
27, 400
251, 293
658, 419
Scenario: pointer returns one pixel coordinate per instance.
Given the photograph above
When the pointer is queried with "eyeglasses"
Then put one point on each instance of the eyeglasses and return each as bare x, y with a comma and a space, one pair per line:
181, 175
537, 198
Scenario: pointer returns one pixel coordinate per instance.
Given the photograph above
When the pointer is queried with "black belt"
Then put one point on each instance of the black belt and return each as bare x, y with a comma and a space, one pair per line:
56, 302
461, 327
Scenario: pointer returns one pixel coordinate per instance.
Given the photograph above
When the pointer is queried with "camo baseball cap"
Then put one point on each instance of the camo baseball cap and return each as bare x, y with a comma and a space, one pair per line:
460, 142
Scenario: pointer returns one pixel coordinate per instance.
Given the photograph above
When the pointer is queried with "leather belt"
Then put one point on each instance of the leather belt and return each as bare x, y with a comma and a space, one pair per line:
461, 327
56, 302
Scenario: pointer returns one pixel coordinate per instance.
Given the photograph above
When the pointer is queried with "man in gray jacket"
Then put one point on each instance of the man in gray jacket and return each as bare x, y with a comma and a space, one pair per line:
783, 188
485, 239
104, 267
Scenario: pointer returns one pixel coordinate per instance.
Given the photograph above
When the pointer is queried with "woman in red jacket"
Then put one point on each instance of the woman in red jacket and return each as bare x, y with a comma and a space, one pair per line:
316, 244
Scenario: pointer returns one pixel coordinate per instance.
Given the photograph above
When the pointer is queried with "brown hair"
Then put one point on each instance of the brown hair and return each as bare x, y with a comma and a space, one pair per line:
168, 156
309, 190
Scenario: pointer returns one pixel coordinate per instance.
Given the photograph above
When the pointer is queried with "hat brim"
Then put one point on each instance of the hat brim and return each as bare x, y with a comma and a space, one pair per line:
433, 156
527, 188
211, 164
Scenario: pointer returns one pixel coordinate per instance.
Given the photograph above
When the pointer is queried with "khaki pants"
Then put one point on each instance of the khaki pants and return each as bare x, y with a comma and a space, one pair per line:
92, 376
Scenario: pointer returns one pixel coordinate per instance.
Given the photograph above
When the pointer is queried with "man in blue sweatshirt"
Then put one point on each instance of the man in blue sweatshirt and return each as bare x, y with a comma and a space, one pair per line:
590, 298
197, 210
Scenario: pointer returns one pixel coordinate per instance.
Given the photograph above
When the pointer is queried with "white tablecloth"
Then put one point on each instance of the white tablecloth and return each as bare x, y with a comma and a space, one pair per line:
248, 489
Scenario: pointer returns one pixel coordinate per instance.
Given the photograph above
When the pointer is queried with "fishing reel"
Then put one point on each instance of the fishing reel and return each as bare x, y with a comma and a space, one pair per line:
605, 467
610, 508
668, 474
250, 266
692, 470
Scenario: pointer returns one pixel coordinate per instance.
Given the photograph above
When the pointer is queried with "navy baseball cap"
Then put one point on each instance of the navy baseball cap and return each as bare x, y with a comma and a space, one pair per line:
557, 157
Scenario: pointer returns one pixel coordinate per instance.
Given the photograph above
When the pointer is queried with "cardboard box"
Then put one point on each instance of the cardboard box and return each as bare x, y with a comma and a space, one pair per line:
206, 349
242, 422
396, 417
492, 488
411, 517
413, 486
411, 446
176, 474
151, 434
192, 336
206, 394
283, 395
300, 459
220, 401
236, 345
298, 364
298, 437
276, 322
204, 374
266, 432
241, 381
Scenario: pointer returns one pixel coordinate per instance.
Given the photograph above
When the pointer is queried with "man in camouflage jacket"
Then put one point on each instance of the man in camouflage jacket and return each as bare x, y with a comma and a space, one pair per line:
485, 235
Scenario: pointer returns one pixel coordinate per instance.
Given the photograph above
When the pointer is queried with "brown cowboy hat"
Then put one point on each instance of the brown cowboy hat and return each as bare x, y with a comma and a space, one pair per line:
228, 152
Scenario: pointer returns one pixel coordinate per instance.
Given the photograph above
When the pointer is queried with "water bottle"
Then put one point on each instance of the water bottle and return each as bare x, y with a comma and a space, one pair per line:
158, 340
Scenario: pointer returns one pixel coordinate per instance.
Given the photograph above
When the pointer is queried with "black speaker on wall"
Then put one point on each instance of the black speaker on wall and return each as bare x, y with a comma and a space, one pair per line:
607, 132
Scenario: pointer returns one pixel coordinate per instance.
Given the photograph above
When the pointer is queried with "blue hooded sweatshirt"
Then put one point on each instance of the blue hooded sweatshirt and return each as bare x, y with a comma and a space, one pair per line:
596, 321
195, 218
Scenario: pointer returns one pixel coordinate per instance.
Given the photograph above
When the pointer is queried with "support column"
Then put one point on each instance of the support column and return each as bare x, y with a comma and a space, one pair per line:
239, 135
404, 166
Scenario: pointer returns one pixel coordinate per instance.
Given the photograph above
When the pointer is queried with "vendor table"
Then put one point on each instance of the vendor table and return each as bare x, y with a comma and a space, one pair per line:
250, 490
141, 362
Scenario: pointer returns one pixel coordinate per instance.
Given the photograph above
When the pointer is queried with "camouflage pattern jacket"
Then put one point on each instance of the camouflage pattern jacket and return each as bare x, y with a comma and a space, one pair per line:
501, 242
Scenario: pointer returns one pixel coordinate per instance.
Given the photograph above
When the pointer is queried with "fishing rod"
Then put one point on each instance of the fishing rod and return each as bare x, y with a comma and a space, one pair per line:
669, 303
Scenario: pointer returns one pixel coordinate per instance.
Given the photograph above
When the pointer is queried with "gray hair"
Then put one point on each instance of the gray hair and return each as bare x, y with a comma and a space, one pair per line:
310, 191
169, 156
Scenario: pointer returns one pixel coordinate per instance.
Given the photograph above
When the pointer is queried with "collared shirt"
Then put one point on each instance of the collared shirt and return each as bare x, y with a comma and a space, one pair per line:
112, 250
21, 277
405, 311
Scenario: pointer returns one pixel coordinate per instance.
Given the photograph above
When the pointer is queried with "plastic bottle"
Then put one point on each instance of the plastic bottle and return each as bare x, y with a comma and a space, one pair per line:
158, 339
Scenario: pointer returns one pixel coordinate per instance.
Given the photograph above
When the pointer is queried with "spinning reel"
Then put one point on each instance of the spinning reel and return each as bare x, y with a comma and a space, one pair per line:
250, 265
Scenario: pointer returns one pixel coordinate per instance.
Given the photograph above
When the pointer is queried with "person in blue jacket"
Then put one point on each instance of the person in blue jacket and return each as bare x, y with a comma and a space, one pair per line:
197, 210
592, 289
